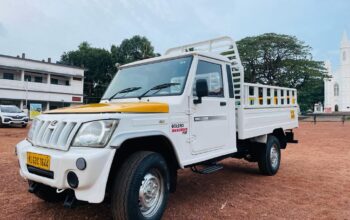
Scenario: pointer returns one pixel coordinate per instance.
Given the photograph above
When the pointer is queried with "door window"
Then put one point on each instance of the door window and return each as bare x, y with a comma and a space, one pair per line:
212, 73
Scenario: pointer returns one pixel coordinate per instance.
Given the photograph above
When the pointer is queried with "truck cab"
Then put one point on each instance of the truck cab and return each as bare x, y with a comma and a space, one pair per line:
187, 109
199, 124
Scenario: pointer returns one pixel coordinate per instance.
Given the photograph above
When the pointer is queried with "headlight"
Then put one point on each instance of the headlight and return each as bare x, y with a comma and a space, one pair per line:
32, 129
95, 133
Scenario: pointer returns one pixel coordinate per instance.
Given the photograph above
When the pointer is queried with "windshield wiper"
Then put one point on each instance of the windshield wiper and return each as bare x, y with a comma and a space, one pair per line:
127, 90
158, 87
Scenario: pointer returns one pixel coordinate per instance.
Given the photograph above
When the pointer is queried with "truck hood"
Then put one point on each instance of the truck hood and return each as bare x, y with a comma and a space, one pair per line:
21, 114
127, 107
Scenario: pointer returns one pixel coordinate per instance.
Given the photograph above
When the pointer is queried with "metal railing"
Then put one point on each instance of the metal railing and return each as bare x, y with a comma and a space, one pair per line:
246, 94
258, 95
326, 117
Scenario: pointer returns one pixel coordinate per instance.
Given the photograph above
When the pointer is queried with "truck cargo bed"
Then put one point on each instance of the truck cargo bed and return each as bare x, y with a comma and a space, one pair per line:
264, 109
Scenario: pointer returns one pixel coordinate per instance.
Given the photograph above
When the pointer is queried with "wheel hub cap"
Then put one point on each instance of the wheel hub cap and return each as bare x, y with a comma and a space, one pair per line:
274, 156
151, 193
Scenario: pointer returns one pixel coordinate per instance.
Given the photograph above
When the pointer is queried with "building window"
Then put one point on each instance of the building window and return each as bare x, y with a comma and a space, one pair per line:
9, 76
54, 81
336, 89
27, 78
77, 78
67, 82
38, 79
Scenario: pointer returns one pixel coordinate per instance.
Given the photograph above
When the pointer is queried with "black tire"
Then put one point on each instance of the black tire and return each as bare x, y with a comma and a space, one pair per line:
1, 125
269, 165
126, 202
24, 125
48, 194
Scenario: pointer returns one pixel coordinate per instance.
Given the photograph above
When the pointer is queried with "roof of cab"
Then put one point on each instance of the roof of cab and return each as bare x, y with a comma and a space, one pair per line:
165, 57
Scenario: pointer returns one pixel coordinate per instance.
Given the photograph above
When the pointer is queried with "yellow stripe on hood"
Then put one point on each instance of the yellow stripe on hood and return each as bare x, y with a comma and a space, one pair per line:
132, 107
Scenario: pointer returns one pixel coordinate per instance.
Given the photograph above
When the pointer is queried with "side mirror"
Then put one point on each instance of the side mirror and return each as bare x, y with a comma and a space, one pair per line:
201, 90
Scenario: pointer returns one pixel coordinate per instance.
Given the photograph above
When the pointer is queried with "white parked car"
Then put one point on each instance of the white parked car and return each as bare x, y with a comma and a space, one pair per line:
187, 109
12, 115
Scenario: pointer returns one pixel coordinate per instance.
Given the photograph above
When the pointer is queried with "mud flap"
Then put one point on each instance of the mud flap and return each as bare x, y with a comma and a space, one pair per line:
290, 137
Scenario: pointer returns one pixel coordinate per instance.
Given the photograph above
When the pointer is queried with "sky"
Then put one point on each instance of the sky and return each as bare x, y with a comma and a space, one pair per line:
47, 28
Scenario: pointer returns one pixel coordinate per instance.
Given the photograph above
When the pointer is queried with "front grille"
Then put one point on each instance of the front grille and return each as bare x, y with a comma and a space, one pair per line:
17, 117
53, 134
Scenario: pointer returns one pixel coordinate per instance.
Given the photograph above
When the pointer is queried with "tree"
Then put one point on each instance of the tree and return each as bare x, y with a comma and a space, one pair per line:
97, 62
130, 50
100, 63
283, 60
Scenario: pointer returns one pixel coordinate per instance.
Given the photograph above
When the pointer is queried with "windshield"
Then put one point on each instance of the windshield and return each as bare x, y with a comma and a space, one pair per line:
10, 109
149, 75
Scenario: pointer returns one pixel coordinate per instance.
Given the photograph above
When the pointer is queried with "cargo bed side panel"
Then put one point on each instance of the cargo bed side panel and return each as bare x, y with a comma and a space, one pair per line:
253, 122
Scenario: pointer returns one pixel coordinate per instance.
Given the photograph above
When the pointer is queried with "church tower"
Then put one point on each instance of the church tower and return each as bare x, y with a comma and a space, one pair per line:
345, 50
343, 82
337, 88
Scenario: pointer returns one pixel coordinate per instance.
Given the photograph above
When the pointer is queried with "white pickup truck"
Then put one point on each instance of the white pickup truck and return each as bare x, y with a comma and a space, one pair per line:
187, 109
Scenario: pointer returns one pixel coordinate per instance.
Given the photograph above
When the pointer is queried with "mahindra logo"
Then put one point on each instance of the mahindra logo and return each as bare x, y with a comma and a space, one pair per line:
53, 123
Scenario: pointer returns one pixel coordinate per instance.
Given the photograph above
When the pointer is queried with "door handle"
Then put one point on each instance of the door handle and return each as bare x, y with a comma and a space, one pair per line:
222, 103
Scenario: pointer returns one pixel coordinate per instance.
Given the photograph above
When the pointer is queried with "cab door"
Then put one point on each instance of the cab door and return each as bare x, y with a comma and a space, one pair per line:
209, 119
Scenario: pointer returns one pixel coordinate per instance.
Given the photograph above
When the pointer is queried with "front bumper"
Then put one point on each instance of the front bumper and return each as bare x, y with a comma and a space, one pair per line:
92, 180
12, 121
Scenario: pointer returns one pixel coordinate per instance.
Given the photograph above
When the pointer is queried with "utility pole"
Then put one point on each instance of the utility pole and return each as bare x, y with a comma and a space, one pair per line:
27, 80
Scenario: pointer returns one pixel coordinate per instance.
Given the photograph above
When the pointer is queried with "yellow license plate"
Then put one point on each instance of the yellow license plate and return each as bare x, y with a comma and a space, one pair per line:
38, 160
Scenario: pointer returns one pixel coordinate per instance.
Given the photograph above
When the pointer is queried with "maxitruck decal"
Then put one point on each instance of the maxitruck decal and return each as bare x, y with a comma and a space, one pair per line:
209, 118
178, 127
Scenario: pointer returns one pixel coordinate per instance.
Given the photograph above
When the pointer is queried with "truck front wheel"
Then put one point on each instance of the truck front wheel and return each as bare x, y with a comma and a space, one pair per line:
270, 156
141, 187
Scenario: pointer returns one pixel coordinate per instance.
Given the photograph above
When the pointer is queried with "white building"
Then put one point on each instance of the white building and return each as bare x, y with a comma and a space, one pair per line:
24, 81
337, 88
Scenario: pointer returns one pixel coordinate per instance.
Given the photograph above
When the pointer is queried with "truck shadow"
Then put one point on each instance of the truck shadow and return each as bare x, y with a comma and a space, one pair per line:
209, 193
191, 189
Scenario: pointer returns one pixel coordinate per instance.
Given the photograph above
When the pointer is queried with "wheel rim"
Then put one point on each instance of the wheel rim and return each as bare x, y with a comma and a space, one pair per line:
274, 156
151, 193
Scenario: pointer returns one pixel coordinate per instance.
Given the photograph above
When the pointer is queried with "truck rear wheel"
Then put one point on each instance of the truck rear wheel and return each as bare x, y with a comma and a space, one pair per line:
141, 187
270, 157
